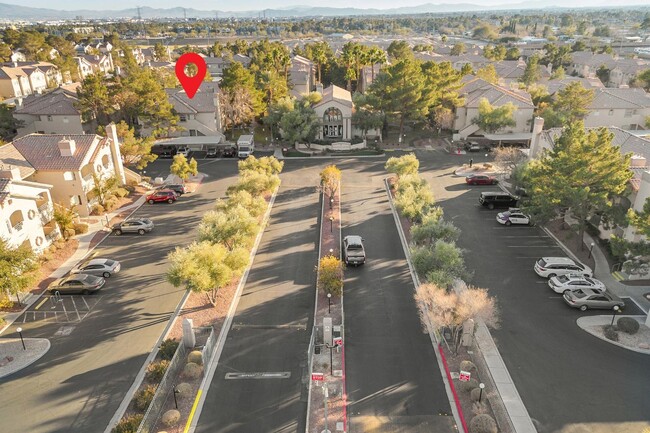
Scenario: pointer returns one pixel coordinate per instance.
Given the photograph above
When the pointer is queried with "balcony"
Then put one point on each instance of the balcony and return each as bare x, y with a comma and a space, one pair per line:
47, 212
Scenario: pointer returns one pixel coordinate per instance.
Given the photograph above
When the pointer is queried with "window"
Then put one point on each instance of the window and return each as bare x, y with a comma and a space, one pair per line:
75, 200
49, 118
65, 119
183, 117
69, 175
611, 112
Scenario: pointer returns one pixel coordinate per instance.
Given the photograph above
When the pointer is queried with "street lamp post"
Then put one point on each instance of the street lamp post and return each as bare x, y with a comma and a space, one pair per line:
329, 302
331, 202
175, 401
591, 247
616, 308
20, 332
480, 394
331, 224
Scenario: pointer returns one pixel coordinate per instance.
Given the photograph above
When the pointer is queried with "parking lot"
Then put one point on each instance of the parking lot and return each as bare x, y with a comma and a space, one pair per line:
62, 308
554, 364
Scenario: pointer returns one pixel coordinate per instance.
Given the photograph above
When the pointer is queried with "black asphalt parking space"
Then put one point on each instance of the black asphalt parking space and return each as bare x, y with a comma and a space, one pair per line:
566, 377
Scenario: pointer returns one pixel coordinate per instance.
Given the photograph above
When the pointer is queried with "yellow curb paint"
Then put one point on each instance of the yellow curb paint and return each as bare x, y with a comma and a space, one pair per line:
189, 419
41, 303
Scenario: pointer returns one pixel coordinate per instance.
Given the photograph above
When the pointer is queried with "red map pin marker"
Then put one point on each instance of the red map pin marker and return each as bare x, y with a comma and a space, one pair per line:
190, 84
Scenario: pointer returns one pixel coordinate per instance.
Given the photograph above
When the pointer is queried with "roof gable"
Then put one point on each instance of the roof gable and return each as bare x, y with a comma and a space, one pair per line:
42, 151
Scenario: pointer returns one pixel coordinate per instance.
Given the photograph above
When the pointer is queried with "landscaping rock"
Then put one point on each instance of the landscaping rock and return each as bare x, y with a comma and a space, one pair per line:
192, 370
196, 357
184, 390
171, 418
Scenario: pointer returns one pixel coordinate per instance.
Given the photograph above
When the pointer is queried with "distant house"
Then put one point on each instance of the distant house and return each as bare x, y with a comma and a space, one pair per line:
368, 74
21, 81
554, 86
216, 65
26, 207
476, 61
513, 70
53, 76
52, 113
621, 70
622, 108
476, 89
198, 116
17, 56
94, 64
67, 162
302, 74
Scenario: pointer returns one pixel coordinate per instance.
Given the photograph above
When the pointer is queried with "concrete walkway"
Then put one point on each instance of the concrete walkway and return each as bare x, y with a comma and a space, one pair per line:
15, 356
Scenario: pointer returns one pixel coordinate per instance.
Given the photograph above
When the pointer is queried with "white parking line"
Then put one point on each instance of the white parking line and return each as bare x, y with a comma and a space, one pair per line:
532, 236
532, 246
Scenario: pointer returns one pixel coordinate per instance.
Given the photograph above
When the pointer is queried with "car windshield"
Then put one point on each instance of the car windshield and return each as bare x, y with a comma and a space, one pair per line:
354, 246
109, 262
542, 263
563, 278
505, 214
579, 293
243, 148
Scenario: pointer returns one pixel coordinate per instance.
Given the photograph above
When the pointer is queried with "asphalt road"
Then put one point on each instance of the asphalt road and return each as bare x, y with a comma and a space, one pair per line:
569, 380
391, 366
78, 385
273, 321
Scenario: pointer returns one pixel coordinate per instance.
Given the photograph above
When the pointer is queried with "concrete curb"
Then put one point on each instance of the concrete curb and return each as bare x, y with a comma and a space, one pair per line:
42, 346
430, 330
225, 328
585, 321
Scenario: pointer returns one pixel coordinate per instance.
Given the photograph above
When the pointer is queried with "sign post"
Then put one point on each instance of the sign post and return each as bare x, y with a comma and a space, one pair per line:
317, 377
464, 376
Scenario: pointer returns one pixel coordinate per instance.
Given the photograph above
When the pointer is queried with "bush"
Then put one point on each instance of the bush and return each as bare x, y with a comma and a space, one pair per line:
110, 204
156, 370
192, 370
627, 325
167, 349
128, 424
121, 192
196, 357
467, 366
475, 394
5, 302
171, 418
483, 423
80, 228
610, 333
184, 389
469, 385
592, 230
143, 397
98, 209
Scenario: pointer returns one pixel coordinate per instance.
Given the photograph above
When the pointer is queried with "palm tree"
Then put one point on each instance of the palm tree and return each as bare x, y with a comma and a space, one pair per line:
376, 56
64, 217
104, 187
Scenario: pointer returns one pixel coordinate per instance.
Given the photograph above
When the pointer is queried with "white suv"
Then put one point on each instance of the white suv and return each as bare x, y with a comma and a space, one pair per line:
549, 267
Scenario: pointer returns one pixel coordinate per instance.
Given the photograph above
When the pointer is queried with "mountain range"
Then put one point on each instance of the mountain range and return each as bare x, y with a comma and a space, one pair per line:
16, 12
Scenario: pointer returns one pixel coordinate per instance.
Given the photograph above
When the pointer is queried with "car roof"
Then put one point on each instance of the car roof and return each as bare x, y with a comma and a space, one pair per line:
94, 262
559, 261
353, 239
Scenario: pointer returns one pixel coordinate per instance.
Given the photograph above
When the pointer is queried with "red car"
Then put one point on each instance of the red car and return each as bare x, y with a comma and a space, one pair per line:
481, 179
163, 195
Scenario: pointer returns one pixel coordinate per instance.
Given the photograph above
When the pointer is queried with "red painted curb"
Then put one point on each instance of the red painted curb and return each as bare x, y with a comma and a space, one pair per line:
453, 389
345, 395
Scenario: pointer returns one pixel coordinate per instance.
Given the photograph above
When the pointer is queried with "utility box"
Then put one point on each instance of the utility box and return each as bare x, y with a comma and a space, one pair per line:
468, 333
327, 330
189, 339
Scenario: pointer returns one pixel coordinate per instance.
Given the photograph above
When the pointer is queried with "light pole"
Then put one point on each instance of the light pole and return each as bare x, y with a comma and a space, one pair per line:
331, 224
591, 247
331, 202
175, 401
20, 332
616, 308
480, 394
329, 303
331, 251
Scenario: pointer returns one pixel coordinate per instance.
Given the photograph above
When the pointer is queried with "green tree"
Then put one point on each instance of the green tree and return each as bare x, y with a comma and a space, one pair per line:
583, 172
485, 31
268, 165
404, 165
399, 50
135, 151
256, 206
414, 197
65, 218
8, 123
572, 102
330, 275
320, 53
5, 52
513, 53
641, 220
603, 74
642, 80
376, 56
255, 183
300, 124
492, 119
330, 180
531, 73
558, 73
95, 101
403, 93
488, 73
160, 53
233, 227
182, 168
458, 49
205, 267
431, 230
366, 115
17, 268
444, 83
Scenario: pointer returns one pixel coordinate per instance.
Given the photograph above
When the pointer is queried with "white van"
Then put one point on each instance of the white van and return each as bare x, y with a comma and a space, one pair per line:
245, 146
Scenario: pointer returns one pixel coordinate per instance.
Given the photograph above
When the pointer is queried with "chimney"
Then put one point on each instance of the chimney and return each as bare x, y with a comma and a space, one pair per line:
637, 161
319, 88
19, 101
116, 155
538, 126
67, 146
9, 172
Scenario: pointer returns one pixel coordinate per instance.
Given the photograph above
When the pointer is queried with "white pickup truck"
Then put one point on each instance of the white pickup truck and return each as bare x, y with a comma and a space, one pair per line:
245, 146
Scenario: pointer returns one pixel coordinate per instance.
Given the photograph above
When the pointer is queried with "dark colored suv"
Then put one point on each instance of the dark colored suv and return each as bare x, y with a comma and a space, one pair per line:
178, 188
493, 200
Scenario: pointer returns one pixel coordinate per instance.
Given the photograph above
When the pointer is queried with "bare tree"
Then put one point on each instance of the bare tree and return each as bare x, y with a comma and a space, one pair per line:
451, 309
508, 158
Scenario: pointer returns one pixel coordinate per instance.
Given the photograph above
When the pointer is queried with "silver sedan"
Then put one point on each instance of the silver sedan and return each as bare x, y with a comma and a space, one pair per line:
562, 283
101, 267
586, 299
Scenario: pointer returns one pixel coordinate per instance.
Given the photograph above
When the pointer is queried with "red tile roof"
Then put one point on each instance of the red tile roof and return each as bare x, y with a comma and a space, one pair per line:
42, 151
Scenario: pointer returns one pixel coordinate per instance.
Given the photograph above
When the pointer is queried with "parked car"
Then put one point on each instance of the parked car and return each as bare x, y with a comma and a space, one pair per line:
481, 179
185, 151
161, 196
212, 152
354, 252
549, 267
139, 226
472, 146
585, 299
492, 200
79, 283
178, 188
513, 217
102, 267
562, 283
230, 152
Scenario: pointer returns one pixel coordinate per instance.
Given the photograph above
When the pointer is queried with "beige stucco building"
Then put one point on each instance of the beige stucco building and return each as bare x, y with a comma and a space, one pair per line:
68, 161
335, 114
198, 116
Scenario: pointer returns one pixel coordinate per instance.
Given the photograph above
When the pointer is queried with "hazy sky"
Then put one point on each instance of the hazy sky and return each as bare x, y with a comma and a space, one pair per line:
264, 4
